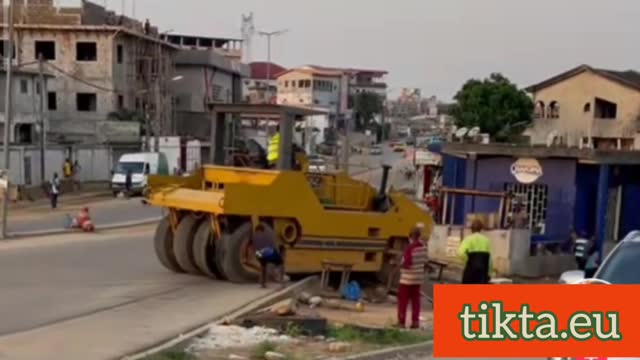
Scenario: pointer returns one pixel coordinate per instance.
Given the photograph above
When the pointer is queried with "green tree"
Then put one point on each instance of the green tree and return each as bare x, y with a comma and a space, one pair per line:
495, 104
366, 106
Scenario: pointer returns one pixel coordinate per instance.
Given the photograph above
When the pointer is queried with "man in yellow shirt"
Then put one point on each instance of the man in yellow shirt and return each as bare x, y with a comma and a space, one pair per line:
273, 150
475, 252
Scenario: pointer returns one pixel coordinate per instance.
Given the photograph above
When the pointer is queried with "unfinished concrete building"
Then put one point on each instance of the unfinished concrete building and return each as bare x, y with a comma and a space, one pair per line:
111, 72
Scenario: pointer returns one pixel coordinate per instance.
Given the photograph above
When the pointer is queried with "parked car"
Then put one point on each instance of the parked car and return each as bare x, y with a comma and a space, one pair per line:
375, 150
399, 147
619, 267
140, 165
317, 164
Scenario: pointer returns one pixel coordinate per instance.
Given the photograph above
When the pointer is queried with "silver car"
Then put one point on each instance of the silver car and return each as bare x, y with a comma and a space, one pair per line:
375, 150
317, 164
620, 268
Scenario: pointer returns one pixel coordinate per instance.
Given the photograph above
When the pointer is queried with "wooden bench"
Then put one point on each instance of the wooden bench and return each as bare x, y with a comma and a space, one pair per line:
328, 267
440, 265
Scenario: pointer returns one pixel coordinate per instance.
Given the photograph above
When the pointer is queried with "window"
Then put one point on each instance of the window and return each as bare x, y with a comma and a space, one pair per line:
120, 102
24, 86
52, 101
47, 49
605, 109
286, 84
539, 110
86, 51
120, 54
621, 266
534, 198
554, 110
87, 102
300, 83
587, 107
4, 44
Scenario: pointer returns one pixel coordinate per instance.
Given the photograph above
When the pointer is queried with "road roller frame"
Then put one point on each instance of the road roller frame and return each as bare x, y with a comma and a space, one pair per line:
314, 217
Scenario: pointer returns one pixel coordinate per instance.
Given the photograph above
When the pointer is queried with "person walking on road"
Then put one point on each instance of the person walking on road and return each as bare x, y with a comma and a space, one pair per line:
581, 246
54, 191
128, 183
267, 253
67, 169
412, 276
76, 168
592, 261
475, 252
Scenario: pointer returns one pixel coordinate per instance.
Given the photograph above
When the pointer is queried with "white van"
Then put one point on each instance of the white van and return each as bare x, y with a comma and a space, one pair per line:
141, 165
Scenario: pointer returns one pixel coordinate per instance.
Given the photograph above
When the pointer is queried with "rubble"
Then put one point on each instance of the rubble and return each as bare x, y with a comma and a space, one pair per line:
220, 337
272, 355
339, 347
237, 357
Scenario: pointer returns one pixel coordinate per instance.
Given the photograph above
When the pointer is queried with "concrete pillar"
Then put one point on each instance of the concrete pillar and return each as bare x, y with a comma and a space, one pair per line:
216, 151
602, 206
470, 183
286, 141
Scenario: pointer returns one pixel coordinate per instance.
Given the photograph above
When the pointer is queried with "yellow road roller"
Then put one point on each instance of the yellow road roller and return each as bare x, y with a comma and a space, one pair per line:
315, 217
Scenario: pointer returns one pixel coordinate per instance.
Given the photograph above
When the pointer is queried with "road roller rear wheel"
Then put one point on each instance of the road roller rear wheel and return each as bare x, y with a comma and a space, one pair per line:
239, 262
183, 244
163, 244
204, 251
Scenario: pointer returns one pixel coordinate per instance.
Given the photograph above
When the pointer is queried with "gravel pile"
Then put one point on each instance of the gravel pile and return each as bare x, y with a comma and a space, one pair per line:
222, 337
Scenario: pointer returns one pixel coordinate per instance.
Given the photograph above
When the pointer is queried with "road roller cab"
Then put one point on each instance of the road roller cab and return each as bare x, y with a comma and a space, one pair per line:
314, 217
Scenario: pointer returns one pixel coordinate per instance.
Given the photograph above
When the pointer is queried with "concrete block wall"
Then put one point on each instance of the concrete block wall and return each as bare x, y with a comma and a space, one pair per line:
509, 248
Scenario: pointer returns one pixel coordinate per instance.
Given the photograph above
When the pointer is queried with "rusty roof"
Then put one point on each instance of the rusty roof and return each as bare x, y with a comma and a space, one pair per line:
629, 78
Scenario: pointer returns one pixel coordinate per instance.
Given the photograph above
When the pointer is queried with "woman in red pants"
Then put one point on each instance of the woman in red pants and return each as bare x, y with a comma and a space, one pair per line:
412, 276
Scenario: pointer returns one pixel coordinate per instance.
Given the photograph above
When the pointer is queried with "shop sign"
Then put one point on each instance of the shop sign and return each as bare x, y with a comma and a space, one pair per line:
527, 171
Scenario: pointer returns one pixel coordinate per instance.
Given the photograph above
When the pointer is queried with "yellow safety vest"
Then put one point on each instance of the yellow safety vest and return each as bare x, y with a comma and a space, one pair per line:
274, 148
67, 169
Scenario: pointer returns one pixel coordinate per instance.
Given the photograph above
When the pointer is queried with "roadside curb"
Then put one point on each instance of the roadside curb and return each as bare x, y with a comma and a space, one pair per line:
45, 203
121, 225
393, 352
234, 314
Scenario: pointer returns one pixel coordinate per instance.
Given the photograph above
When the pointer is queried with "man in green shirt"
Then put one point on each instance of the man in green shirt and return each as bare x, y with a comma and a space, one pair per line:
475, 252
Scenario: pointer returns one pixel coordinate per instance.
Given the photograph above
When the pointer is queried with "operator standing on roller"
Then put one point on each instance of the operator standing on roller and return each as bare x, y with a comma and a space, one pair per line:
274, 149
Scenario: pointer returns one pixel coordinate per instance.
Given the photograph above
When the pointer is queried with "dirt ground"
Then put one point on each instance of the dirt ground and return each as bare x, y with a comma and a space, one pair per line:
374, 316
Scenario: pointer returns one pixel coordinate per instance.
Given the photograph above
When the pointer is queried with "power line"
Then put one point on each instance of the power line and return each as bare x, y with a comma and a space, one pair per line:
79, 79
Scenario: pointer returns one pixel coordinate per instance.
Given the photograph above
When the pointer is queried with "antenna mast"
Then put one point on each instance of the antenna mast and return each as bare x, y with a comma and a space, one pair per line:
248, 32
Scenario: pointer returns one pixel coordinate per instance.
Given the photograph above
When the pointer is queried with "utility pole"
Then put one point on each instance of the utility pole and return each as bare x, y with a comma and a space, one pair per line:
157, 114
8, 112
147, 128
269, 35
41, 115
346, 144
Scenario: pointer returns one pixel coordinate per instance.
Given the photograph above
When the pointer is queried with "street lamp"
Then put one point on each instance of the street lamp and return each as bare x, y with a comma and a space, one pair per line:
269, 35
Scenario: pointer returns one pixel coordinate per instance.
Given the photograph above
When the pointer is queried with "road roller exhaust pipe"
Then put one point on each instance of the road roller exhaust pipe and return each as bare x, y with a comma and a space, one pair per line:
385, 180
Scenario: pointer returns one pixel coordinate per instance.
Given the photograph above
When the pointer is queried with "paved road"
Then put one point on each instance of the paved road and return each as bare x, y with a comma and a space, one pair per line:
111, 211
103, 212
119, 297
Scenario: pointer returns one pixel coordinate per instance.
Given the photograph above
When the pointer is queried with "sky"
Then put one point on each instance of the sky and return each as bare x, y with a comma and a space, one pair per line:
434, 45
